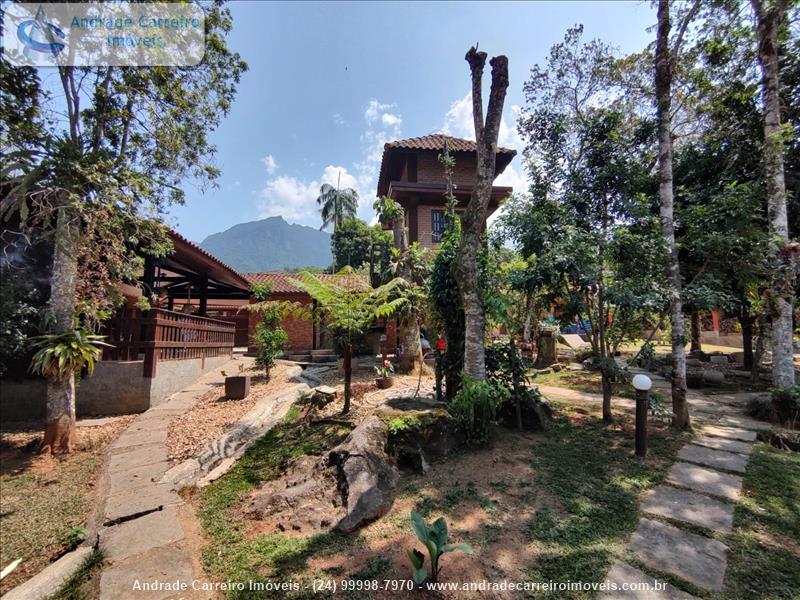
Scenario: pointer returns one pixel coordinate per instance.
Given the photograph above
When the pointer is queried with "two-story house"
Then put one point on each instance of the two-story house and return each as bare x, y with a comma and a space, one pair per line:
412, 175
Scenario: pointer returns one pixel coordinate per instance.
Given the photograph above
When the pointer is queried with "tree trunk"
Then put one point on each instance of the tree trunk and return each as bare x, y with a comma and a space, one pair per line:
408, 326
527, 327
663, 84
770, 14
747, 321
607, 418
60, 415
474, 218
411, 359
761, 323
515, 381
697, 345
347, 363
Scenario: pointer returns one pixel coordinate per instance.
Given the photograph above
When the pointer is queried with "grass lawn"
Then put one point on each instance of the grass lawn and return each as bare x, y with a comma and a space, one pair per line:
44, 501
558, 505
764, 555
588, 381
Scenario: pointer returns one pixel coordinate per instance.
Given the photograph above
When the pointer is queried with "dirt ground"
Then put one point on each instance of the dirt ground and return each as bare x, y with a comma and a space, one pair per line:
214, 414
487, 499
45, 501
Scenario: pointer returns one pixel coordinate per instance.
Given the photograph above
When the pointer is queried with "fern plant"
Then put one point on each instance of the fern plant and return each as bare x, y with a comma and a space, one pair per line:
60, 355
434, 538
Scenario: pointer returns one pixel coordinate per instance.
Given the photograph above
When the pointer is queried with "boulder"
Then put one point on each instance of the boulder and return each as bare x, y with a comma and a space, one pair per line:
345, 488
719, 359
421, 431
713, 377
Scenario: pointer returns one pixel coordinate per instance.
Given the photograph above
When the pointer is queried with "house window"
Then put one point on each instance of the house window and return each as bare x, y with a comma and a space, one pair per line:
439, 224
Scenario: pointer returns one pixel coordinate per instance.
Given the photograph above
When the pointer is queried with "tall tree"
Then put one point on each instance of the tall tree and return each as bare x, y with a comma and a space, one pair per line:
336, 205
770, 18
665, 56
474, 217
92, 182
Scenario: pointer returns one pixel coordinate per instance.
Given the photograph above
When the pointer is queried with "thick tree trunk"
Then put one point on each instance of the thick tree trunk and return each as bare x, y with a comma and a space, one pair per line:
527, 326
761, 323
770, 14
474, 218
411, 360
515, 381
347, 364
663, 84
60, 414
697, 345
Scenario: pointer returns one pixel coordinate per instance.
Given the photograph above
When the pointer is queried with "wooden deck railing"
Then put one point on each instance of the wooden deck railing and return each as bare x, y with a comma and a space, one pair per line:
160, 334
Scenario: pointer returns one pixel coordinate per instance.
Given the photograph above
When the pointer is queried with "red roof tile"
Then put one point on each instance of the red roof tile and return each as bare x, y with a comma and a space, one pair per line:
435, 141
279, 280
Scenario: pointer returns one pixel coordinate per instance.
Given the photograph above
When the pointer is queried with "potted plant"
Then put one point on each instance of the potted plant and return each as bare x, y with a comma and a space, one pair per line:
237, 387
384, 371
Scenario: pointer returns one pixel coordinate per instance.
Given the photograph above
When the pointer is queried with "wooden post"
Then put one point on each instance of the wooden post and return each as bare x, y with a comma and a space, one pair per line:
203, 309
642, 402
170, 303
150, 351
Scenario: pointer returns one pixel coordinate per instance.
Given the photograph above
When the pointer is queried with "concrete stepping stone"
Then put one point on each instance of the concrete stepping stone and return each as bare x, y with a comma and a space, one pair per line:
746, 423
166, 564
159, 528
699, 560
731, 433
718, 459
622, 573
130, 479
130, 440
705, 480
689, 507
137, 457
146, 498
724, 444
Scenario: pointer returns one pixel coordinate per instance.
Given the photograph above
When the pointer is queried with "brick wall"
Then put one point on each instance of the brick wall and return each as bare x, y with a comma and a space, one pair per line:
430, 170
298, 330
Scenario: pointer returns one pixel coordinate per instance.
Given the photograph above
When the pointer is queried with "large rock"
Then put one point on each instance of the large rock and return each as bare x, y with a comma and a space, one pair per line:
365, 477
346, 488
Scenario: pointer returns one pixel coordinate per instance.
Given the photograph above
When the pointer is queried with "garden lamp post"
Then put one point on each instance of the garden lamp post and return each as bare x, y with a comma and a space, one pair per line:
642, 384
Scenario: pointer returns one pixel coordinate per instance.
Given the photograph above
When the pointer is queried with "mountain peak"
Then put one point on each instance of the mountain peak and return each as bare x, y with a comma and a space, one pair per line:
270, 244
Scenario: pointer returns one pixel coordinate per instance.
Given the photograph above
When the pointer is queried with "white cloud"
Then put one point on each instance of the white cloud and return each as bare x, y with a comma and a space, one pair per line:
338, 119
390, 120
270, 164
459, 123
295, 199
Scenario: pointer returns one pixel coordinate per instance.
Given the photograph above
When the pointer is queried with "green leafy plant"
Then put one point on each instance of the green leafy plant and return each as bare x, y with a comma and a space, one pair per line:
402, 424
269, 339
475, 407
74, 537
786, 404
434, 538
646, 355
60, 355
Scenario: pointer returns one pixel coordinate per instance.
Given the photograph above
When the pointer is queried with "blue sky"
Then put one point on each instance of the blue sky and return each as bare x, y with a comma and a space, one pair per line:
329, 83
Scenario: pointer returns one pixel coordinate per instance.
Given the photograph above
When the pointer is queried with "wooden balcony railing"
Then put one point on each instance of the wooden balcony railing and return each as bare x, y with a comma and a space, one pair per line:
160, 334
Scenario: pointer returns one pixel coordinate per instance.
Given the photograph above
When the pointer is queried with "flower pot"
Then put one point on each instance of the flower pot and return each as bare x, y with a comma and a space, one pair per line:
384, 382
237, 387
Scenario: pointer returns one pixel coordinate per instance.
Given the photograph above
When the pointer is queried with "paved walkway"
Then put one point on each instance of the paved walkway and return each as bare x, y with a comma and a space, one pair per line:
701, 491
142, 537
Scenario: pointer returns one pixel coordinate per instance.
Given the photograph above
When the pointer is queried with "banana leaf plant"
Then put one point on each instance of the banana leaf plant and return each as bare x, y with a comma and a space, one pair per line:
434, 538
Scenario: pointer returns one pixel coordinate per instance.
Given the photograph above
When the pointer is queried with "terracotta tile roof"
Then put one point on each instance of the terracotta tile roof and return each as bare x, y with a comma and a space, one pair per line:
281, 284
435, 141
219, 269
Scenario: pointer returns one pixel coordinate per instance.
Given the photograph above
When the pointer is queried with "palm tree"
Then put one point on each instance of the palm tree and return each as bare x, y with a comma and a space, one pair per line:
336, 205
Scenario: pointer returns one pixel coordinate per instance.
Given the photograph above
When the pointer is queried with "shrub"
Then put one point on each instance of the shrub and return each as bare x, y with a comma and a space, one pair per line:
759, 407
269, 339
646, 355
786, 404
475, 407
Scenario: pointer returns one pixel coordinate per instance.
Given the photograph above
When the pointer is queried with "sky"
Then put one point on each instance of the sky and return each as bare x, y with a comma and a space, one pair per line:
329, 83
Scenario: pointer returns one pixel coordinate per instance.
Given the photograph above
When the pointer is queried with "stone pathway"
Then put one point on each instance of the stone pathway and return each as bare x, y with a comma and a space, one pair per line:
701, 490
142, 537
